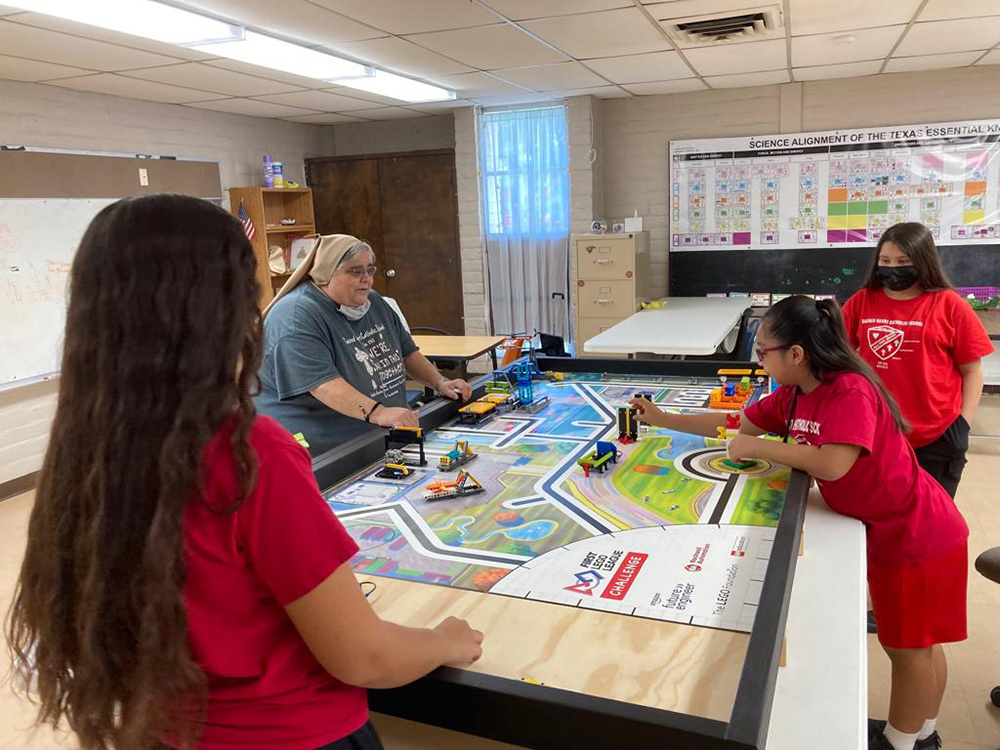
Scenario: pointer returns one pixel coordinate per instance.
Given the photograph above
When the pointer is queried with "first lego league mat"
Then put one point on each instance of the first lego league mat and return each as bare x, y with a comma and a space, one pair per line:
668, 531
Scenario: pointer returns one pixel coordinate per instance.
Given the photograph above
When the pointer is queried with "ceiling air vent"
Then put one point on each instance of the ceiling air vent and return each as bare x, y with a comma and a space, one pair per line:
749, 25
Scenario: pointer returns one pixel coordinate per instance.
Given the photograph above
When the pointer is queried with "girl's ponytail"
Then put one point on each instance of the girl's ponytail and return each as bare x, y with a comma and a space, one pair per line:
818, 327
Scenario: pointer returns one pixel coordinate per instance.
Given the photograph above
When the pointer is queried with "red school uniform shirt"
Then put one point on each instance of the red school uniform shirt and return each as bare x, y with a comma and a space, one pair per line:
908, 516
265, 688
916, 347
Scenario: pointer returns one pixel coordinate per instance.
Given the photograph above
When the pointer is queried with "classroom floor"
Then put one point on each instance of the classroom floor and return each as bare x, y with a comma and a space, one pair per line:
968, 721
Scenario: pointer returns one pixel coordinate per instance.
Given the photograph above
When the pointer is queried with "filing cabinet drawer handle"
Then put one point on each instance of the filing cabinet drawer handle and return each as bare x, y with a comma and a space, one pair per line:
604, 302
602, 261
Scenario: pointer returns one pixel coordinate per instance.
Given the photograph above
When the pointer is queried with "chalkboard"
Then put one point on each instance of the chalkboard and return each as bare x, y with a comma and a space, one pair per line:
840, 271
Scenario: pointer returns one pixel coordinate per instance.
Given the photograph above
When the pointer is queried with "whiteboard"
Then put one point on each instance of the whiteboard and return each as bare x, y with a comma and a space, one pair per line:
38, 239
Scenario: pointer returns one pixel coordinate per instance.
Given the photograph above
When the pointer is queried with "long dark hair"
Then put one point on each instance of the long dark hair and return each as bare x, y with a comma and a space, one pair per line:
818, 327
916, 240
162, 348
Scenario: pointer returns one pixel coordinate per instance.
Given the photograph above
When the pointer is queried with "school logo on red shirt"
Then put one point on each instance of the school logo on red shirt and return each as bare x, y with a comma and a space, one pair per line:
885, 341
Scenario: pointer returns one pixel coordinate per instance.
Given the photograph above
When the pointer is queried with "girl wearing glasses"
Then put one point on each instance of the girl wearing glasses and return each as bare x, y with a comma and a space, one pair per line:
184, 582
841, 426
336, 356
926, 344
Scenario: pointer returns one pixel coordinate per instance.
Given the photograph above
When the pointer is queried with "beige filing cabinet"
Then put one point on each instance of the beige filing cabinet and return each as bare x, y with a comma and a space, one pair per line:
611, 279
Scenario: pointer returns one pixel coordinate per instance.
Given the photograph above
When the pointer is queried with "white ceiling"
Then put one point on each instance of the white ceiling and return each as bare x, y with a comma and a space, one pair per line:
494, 52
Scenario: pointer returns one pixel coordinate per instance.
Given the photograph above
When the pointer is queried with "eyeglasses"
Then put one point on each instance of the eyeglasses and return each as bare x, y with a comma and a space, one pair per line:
761, 352
359, 271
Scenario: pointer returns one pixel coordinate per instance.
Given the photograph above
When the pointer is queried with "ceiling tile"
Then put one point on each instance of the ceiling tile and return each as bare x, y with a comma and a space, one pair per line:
843, 70
42, 21
210, 78
63, 49
748, 79
488, 47
257, 71
298, 19
932, 62
389, 113
252, 107
520, 10
473, 85
868, 44
811, 17
666, 87
109, 83
991, 58
950, 36
654, 66
402, 56
603, 34
409, 17
939, 10
748, 57
568, 75
327, 118
321, 101
601, 92
19, 69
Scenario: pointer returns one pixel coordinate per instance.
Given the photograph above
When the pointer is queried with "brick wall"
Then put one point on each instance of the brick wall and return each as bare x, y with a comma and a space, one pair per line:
38, 115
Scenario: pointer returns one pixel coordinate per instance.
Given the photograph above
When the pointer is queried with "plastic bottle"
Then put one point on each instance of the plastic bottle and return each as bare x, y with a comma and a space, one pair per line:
268, 171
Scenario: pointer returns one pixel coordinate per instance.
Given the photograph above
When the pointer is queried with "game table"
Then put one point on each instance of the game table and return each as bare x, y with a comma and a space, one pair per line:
640, 607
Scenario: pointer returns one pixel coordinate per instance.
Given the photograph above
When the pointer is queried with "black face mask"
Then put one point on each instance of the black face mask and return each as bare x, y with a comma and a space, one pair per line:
897, 278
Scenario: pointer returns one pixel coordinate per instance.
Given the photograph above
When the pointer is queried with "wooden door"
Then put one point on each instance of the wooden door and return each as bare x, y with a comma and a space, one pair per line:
406, 207
346, 201
420, 232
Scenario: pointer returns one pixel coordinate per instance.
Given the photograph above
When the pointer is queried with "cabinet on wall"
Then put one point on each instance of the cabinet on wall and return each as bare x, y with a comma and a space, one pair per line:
611, 278
267, 207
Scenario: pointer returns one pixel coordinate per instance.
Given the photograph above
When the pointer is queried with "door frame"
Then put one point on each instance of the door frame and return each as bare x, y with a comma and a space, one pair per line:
454, 195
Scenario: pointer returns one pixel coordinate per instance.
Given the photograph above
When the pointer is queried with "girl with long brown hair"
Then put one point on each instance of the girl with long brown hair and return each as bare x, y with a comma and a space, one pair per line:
184, 582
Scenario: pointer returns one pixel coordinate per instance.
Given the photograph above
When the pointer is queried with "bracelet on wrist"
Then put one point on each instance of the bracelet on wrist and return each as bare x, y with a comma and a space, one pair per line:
368, 415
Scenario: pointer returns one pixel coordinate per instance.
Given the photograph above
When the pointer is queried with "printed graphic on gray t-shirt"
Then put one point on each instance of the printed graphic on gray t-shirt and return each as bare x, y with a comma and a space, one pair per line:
307, 342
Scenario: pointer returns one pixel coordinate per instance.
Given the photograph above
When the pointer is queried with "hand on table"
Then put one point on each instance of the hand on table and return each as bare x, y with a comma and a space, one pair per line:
395, 416
743, 447
465, 645
454, 388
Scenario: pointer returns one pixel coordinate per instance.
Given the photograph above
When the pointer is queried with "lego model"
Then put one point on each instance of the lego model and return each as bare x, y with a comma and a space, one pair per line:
403, 436
464, 484
460, 455
526, 400
628, 425
476, 412
599, 459
731, 395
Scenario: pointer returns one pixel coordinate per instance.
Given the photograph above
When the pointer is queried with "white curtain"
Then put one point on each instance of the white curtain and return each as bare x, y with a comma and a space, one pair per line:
524, 160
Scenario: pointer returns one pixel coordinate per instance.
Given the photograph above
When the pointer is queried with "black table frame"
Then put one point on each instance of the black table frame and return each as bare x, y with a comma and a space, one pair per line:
548, 718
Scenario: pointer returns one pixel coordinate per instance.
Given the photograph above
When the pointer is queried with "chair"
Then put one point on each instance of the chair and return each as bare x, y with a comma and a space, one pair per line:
749, 341
988, 565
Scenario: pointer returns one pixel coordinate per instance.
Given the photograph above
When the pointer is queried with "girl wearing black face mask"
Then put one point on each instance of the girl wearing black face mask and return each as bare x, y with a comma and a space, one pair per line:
926, 344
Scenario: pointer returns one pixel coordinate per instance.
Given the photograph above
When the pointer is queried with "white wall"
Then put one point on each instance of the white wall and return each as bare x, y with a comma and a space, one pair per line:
414, 134
36, 115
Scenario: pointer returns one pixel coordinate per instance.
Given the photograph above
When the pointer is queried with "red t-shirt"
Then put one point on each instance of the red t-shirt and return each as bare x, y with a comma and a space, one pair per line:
909, 517
916, 346
265, 688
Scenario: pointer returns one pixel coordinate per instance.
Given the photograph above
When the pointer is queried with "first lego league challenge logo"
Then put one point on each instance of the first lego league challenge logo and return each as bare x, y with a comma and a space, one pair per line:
587, 581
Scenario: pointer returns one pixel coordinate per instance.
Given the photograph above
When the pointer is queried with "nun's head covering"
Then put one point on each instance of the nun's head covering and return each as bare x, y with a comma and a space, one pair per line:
326, 254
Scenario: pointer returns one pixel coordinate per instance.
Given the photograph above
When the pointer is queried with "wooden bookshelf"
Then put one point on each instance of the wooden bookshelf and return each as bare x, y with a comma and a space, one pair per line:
266, 208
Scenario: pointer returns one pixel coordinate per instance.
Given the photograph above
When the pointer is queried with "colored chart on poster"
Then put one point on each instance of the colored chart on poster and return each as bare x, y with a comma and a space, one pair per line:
667, 531
836, 188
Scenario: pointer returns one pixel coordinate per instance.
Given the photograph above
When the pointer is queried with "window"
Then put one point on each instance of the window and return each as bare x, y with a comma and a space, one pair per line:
524, 158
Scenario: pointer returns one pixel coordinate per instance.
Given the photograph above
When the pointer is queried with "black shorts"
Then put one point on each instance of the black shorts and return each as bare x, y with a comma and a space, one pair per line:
944, 459
364, 738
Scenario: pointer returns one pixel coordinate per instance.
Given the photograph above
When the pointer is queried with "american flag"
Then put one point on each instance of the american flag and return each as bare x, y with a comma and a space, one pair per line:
245, 220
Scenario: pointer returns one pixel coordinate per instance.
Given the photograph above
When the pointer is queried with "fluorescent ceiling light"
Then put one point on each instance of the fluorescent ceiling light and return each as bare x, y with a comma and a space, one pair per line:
398, 87
268, 52
144, 18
